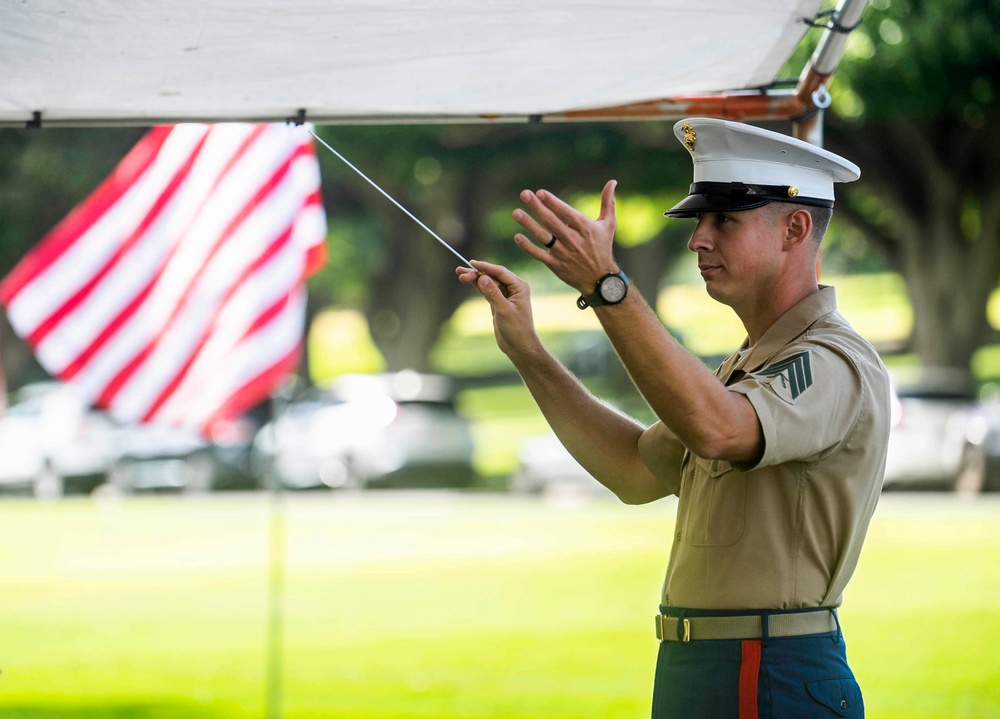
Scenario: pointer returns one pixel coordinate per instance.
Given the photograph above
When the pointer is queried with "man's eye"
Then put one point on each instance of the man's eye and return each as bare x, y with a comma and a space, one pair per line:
722, 219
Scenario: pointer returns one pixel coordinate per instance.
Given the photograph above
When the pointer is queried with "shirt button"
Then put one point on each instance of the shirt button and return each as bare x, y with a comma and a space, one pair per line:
678, 536
843, 704
715, 464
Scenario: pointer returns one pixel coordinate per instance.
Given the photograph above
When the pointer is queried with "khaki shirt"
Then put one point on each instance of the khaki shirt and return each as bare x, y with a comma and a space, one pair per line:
787, 532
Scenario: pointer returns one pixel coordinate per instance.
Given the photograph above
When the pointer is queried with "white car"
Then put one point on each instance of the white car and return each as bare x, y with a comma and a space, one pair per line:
390, 430
52, 443
545, 466
928, 418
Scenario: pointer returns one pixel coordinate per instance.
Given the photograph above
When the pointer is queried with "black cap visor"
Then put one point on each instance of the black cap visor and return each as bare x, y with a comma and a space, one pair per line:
735, 197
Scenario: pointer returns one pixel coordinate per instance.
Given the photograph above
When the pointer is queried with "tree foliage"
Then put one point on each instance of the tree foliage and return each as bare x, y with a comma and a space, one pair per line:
916, 104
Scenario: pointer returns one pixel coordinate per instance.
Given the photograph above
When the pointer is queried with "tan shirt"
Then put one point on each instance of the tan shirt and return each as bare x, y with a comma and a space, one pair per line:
787, 532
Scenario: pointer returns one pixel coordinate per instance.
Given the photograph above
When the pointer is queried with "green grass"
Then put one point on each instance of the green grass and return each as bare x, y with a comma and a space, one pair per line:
434, 605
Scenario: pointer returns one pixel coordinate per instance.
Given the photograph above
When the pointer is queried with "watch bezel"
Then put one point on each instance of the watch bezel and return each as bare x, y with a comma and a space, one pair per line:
614, 280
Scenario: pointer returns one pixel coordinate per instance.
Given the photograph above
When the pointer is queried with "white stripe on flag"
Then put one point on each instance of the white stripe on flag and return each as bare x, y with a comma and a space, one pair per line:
168, 302
76, 266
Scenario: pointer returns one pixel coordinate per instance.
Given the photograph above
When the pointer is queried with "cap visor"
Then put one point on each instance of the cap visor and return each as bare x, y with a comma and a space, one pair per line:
693, 205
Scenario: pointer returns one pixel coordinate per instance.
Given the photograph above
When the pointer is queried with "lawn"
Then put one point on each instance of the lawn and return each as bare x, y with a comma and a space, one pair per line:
438, 605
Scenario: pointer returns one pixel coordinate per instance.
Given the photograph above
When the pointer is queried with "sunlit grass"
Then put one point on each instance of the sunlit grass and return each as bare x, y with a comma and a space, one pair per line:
435, 605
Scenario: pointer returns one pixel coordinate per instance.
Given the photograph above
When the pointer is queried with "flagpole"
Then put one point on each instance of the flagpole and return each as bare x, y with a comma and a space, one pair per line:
277, 548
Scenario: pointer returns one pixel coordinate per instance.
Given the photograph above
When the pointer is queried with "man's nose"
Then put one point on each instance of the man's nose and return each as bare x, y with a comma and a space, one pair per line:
700, 238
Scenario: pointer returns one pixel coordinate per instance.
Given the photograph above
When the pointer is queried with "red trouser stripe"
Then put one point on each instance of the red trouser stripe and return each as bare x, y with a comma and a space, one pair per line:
749, 670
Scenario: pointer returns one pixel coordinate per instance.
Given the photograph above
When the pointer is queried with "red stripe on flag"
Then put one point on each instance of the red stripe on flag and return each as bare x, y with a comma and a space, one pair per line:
117, 232
122, 377
176, 182
119, 320
255, 390
315, 255
749, 672
182, 371
104, 335
132, 167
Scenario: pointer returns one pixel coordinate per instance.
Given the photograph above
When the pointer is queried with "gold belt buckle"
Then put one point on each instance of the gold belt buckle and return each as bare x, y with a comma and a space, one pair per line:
661, 628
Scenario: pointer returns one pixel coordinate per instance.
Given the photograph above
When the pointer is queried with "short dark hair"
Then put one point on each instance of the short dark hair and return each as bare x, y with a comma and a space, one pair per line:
820, 216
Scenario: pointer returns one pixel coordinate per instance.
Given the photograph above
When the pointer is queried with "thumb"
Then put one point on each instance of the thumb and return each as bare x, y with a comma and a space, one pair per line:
608, 200
490, 289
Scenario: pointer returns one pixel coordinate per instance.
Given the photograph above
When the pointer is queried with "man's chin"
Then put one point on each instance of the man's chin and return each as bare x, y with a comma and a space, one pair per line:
717, 293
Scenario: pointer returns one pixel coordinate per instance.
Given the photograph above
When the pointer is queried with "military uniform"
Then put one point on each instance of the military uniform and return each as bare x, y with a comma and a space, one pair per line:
786, 533
761, 553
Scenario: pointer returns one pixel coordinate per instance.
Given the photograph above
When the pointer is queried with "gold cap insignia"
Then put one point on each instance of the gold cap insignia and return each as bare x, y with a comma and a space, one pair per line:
793, 191
690, 136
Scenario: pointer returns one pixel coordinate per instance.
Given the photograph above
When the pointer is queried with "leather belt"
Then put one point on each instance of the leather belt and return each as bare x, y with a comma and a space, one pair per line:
792, 624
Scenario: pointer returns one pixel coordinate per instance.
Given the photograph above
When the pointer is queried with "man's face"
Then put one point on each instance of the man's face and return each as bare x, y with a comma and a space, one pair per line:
738, 254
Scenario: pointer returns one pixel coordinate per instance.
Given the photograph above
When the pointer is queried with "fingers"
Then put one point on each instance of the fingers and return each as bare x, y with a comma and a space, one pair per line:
551, 209
493, 281
556, 218
533, 250
541, 233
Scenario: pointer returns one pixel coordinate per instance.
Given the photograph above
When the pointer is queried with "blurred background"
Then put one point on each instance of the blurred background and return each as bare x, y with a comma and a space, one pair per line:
443, 555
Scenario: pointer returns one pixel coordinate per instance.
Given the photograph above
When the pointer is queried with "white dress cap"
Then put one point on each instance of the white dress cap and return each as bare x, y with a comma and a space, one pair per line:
739, 167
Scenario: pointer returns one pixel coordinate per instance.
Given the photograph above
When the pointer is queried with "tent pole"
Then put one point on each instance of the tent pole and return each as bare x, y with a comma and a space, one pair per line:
809, 128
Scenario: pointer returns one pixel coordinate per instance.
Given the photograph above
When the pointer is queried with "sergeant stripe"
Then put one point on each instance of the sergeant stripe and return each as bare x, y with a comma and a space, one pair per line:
799, 372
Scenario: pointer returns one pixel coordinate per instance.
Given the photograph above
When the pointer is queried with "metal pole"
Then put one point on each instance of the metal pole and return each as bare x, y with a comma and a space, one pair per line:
275, 644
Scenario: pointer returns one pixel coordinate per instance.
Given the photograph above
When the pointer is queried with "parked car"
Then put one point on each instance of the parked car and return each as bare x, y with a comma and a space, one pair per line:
151, 457
979, 466
156, 457
51, 443
390, 430
545, 466
927, 429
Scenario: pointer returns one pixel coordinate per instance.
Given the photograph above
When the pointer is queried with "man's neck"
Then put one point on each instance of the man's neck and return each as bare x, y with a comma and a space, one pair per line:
759, 318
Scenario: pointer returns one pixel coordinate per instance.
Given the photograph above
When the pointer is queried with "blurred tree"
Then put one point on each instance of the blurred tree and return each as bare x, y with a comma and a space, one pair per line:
916, 105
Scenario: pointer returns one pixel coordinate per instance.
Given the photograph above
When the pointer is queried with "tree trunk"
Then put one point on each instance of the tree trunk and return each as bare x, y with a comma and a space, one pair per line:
416, 290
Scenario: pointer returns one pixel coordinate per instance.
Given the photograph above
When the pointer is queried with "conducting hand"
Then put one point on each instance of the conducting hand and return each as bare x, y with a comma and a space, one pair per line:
575, 247
510, 302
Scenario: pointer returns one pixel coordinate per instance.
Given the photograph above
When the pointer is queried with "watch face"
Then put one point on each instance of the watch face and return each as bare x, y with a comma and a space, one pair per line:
613, 289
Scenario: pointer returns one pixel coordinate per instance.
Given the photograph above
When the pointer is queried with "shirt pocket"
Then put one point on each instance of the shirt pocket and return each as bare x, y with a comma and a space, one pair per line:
717, 503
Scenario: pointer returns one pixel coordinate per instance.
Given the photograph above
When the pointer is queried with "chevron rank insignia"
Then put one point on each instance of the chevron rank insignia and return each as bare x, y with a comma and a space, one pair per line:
789, 378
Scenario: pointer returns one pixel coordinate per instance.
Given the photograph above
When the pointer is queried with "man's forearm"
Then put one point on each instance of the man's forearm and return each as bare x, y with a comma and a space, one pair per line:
603, 440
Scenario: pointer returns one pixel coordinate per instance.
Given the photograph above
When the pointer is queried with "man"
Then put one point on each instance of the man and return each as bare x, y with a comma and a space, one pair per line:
777, 458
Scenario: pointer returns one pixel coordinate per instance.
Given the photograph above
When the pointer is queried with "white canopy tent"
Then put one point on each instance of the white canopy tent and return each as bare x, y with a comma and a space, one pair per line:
144, 62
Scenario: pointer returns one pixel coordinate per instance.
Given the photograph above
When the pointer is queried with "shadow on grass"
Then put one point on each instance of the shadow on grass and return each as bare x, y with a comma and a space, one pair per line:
152, 710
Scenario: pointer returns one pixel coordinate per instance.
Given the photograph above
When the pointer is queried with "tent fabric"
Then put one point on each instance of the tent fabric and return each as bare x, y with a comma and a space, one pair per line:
150, 61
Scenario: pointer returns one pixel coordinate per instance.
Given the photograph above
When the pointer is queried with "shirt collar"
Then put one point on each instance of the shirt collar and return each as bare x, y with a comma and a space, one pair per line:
789, 326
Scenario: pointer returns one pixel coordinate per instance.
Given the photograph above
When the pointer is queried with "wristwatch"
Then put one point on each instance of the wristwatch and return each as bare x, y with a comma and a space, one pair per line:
611, 289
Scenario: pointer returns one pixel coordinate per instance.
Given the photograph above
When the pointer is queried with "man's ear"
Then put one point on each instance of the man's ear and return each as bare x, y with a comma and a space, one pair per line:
798, 228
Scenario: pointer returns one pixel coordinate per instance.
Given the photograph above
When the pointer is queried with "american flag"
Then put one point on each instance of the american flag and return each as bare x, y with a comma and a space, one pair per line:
174, 293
